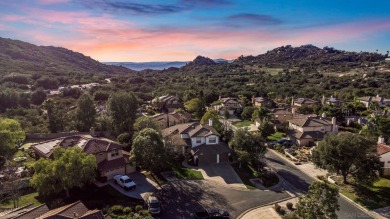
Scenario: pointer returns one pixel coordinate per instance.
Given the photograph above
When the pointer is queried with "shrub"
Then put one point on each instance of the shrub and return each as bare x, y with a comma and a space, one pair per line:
277, 207
124, 138
127, 210
289, 205
138, 208
282, 211
117, 209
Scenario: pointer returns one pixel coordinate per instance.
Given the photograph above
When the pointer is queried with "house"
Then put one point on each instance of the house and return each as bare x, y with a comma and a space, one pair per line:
198, 140
74, 210
383, 151
306, 131
231, 104
368, 100
167, 103
279, 117
263, 102
331, 101
303, 102
111, 159
165, 120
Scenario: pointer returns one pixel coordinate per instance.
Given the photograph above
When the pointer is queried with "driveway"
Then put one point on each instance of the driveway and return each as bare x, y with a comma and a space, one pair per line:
222, 173
180, 199
144, 186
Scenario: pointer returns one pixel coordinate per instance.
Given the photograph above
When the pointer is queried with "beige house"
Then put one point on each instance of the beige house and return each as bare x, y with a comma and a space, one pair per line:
381, 101
303, 102
167, 103
166, 120
383, 151
263, 102
110, 158
307, 131
231, 104
198, 140
331, 101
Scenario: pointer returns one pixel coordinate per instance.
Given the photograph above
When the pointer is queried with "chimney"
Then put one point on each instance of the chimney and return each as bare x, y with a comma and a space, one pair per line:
381, 140
292, 101
333, 120
323, 115
210, 122
323, 100
335, 128
293, 111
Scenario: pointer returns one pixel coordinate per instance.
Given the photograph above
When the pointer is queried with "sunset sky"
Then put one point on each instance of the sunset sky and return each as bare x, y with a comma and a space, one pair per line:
179, 30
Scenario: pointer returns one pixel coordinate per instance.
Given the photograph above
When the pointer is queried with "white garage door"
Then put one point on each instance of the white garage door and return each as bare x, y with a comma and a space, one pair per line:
110, 174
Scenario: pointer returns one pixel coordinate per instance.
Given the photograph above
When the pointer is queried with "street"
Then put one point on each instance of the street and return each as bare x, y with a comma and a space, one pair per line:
299, 183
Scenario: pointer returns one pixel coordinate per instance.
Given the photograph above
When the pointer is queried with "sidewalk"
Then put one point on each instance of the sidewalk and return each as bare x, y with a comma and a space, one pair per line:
266, 212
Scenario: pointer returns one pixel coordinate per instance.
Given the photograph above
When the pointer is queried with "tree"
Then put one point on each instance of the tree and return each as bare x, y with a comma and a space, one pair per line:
266, 129
55, 115
320, 202
253, 144
11, 135
261, 113
348, 154
247, 112
213, 115
85, 113
70, 168
144, 122
124, 138
38, 97
195, 106
148, 150
122, 108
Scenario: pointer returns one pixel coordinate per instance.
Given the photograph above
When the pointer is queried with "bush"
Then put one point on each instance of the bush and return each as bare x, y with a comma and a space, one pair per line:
289, 205
282, 211
124, 138
127, 210
117, 209
138, 208
277, 207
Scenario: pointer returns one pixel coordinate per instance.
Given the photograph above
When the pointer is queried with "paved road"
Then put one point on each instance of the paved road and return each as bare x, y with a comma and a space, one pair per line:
181, 198
300, 183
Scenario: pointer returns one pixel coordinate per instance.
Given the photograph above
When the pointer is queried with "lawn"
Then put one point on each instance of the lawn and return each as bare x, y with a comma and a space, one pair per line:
243, 123
30, 198
371, 197
187, 174
248, 171
276, 136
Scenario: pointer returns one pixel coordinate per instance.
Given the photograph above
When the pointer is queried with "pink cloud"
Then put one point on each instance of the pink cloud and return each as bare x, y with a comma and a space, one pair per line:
53, 1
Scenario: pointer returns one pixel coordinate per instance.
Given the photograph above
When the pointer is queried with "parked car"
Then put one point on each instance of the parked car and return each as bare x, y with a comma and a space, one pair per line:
211, 213
154, 205
125, 182
283, 142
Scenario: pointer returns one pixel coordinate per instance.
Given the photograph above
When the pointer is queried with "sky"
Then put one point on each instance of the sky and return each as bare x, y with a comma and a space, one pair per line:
179, 30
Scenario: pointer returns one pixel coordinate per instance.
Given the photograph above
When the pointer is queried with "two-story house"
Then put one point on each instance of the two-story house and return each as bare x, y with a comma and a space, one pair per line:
381, 101
383, 151
167, 103
263, 102
306, 131
198, 140
166, 120
110, 158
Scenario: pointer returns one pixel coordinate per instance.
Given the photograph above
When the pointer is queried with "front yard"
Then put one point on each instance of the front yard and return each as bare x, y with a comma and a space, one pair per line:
243, 123
249, 171
276, 136
371, 197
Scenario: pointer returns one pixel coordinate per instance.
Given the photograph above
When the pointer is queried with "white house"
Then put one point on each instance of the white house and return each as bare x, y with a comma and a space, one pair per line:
199, 140
383, 151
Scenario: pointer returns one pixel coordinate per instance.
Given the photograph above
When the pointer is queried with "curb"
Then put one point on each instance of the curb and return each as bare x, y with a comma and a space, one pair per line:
345, 197
269, 204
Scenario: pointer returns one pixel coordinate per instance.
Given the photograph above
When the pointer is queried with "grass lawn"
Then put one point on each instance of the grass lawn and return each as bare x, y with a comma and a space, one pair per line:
24, 200
276, 136
371, 197
187, 174
243, 123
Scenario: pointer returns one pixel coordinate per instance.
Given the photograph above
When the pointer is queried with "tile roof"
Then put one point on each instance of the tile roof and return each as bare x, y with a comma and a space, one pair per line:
34, 212
382, 149
306, 135
193, 129
112, 164
68, 211
310, 122
229, 100
220, 148
93, 214
281, 111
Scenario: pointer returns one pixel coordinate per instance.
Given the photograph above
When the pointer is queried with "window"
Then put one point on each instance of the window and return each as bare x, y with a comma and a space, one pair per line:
212, 140
198, 140
114, 153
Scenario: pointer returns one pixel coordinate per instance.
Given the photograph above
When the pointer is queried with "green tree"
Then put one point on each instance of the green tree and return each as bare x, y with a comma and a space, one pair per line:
144, 122
266, 129
213, 115
348, 154
70, 168
195, 106
247, 112
124, 138
253, 144
148, 150
320, 202
85, 113
122, 108
11, 135
261, 113
55, 115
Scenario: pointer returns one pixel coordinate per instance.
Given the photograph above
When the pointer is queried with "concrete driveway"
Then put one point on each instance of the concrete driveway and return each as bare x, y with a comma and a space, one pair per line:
222, 173
144, 186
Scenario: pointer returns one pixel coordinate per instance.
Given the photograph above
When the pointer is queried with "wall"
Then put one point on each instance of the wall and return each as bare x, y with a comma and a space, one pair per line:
208, 138
120, 154
194, 144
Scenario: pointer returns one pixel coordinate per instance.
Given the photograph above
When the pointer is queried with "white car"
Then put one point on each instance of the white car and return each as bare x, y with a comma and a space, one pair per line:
154, 205
124, 181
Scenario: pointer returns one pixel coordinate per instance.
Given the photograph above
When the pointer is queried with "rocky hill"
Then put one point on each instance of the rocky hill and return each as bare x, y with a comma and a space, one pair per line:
200, 60
25, 58
309, 55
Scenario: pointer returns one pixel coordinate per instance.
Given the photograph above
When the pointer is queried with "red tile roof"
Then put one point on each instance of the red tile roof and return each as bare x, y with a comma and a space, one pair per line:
382, 149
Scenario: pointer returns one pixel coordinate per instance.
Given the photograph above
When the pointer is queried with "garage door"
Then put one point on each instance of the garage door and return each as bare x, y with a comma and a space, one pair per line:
110, 174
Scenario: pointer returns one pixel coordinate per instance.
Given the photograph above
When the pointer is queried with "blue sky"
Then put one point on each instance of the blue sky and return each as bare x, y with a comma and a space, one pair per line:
179, 30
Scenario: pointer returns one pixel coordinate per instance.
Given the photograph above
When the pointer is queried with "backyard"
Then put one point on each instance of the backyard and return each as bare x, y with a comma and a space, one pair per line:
243, 123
